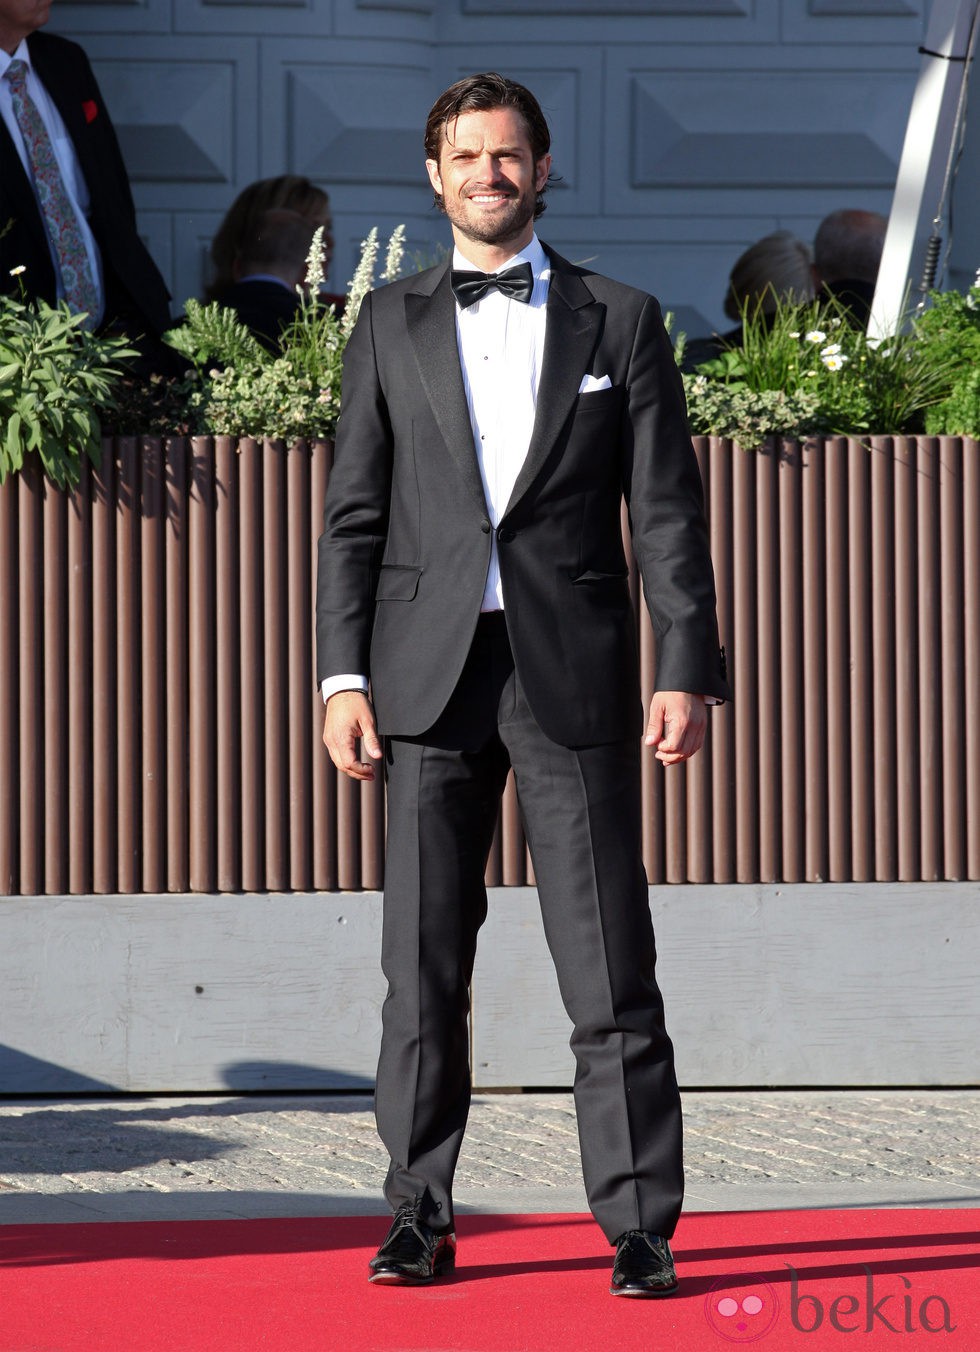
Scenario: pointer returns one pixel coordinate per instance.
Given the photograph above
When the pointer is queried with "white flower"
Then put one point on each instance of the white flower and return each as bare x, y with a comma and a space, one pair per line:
831, 350
15, 272
314, 263
396, 252
816, 336
833, 362
835, 323
795, 333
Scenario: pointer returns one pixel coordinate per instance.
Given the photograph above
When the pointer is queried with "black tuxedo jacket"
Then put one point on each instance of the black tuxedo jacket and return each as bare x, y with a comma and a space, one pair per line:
132, 281
406, 543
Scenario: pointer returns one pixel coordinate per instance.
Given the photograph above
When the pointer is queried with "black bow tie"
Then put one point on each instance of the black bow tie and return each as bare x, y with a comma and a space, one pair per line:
469, 287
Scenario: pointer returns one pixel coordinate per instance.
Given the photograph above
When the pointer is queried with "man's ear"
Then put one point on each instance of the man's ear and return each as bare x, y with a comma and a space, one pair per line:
541, 171
435, 178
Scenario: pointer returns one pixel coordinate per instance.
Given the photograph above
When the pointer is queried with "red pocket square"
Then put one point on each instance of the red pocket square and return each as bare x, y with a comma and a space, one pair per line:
91, 110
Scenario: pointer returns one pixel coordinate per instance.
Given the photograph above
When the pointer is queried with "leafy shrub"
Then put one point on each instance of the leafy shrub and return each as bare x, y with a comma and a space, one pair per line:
56, 382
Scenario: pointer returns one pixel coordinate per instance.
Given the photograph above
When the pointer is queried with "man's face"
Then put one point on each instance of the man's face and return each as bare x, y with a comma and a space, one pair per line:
488, 177
18, 18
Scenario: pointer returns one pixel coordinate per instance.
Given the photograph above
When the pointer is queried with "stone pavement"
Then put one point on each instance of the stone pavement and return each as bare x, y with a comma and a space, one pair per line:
195, 1157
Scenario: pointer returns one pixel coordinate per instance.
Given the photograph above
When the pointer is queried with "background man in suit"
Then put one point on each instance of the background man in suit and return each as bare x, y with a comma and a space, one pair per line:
272, 266
66, 211
472, 566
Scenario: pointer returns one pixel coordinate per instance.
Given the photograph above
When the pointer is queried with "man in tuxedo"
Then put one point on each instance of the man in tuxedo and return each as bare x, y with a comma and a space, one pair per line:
495, 412
66, 212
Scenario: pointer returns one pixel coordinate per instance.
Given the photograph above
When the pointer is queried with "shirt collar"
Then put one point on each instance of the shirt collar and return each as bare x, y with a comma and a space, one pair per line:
532, 253
20, 53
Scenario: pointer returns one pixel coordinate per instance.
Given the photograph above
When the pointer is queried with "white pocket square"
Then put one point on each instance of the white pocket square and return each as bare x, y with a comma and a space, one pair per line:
590, 384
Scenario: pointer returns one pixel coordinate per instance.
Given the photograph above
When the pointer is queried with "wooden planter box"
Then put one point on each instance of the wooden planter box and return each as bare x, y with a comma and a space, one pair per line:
160, 728
159, 745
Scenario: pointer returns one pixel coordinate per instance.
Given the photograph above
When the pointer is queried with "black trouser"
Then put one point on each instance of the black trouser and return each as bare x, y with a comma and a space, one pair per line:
581, 813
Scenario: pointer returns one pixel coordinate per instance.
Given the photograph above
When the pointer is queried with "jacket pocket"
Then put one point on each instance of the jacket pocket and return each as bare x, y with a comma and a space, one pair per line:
397, 582
591, 575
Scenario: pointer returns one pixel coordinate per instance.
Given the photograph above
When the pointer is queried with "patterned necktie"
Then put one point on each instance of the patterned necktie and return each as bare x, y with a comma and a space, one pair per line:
60, 220
469, 287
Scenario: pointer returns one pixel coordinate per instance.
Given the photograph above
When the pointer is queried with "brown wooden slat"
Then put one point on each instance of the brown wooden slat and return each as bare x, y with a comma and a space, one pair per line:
928, 728
275, 663
30, 579
348, 834
791, 472
9, 692
746, 668
54, 576
769, 711
884, 731
324, 786
153, 611
228, 725
862, 671
816, 733
300, 660
105, 866
513, 837
128, 665
78, 701
202, 772
971, 662
954, 703
373, 832
252, 674
907, 698
838, 727
176, 546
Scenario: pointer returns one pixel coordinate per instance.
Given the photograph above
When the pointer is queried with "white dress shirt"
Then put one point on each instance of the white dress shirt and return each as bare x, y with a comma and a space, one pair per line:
501, 350
64, 153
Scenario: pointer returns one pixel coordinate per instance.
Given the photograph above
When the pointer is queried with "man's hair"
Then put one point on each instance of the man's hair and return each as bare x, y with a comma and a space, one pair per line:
848, 246
481, 94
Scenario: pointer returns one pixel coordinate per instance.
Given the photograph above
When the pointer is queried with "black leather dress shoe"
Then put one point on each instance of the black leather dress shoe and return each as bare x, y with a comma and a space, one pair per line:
644, 1265
413, 1253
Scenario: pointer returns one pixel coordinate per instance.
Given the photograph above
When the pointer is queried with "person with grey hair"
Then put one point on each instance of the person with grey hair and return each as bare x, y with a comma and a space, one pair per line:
774, 269
846, 256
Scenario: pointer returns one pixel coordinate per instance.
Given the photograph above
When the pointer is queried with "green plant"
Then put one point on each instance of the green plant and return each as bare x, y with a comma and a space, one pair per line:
949, 331
241, 389
807, 370
56, 382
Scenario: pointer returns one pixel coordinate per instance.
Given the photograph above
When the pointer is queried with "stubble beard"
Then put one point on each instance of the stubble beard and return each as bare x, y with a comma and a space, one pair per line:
493, 231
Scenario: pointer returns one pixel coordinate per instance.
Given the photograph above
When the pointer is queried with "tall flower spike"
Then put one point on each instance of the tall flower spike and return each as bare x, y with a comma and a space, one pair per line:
314, 264
361, 282
396, 252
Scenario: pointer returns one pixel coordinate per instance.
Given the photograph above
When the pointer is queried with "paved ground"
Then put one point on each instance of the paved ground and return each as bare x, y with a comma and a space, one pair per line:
167, 1158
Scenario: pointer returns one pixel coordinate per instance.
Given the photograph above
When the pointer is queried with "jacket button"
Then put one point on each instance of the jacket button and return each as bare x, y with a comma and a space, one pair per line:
504, 535
485, 526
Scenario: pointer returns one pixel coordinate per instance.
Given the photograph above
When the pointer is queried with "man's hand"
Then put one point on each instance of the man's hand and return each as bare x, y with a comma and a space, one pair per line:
676, 726
349, 717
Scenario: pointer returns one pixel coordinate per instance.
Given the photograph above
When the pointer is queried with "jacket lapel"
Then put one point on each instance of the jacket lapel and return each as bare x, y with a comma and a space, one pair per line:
574, 322
430, 313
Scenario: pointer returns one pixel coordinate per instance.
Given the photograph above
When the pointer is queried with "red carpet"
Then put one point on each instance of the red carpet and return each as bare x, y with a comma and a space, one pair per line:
782, 1280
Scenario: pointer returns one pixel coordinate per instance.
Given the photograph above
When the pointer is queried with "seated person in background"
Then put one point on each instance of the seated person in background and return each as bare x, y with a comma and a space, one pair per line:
775, 268
269, 272
286, 192
66, 210
846, 256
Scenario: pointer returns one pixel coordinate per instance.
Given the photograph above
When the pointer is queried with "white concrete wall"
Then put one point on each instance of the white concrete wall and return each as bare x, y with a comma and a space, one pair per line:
683, 130
819, 984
